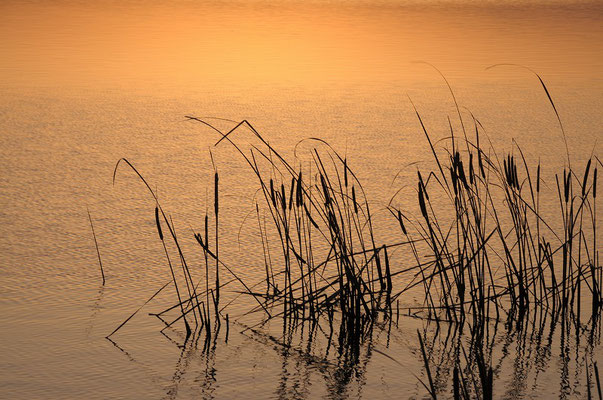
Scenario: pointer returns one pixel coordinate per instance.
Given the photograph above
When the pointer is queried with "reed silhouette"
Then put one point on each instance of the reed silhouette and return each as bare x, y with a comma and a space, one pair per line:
483, 254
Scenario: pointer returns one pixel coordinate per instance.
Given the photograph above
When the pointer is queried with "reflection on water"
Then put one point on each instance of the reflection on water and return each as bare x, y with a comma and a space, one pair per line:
522, 357
525, 360
86, 84
96, 308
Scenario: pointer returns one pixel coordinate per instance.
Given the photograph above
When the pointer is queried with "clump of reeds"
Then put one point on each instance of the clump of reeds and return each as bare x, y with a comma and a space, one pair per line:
321, 221
484, 250
194, 312
487, 254
492, 232
497, 225
329, 261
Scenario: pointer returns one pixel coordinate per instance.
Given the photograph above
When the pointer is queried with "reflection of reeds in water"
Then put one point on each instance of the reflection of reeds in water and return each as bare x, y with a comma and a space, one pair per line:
484, 253
465, 361
493, 256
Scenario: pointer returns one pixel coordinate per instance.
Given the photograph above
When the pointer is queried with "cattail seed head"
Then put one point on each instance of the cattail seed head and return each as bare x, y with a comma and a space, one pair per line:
471, 170
462, 175
158, 224
345, 171
454, 179
401, 223
587, 170
422, 202
299, 193
325, 189
538, 179
422, 183
272, 197
216, 202
481, 165
206, 230
291, 192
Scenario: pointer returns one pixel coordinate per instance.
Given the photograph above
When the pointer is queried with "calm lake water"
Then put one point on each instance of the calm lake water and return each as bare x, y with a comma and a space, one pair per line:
83, 85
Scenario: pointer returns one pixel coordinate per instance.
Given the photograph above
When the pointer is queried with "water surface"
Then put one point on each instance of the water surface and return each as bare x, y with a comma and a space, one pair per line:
84, 85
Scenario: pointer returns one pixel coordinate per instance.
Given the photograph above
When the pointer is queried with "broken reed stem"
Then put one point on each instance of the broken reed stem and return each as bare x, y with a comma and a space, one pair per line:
139, 308
100, 262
